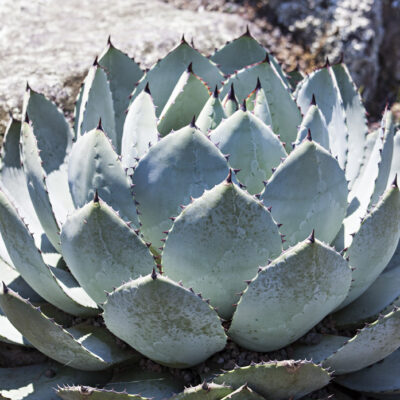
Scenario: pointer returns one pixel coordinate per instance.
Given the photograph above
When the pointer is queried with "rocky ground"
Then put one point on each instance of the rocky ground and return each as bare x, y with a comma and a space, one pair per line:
50, 43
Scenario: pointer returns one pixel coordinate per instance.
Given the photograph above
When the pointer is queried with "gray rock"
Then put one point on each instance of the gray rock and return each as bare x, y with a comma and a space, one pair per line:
51, 43
390, 52
332, 27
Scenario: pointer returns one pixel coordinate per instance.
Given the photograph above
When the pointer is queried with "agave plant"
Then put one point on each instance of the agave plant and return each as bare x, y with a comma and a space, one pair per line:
187, 221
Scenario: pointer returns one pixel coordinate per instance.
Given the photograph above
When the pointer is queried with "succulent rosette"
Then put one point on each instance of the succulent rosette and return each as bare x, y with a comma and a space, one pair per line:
229, 202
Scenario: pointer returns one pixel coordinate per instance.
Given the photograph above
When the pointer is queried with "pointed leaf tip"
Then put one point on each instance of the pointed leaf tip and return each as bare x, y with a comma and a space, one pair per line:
147, 88
99, 125
190, 68
96, 197
231, 94
327, 63
229, 177
96, 61
5, 288
154, 274
109, 40
341, 57
313, 101
204, 385
243, 107
27, 118
309, 137
258, 85
27, 86
183, 40
193, 122
266, 59
215, 94
311, 238
394, 184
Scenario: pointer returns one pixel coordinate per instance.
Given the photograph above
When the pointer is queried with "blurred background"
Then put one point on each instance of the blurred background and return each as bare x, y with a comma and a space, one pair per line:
51, 43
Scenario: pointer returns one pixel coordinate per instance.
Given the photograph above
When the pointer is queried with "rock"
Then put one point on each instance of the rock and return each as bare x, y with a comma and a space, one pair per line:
332, 27
51, 43
390, 54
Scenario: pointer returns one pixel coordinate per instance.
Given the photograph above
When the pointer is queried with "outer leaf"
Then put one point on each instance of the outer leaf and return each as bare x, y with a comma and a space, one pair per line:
290, 296
379, 379
169, 324
77, 109
94, 165
131, 383
9, 334
244, 393
122, 73
323, 85
207, 391
362, 190
381, 182
369, 145
308, 191
52, 132
37, 185
212, 113
13, 183
186, 101
12, 279
224, 233
356, 120
135, 384
97, 104
378, 297
84, 392
375, 243
156, 385
53, 284
373, 343
82, 347
314, 121
164, 75
239, 53
252, 146
37, 382
278, 379
369, 170
180, 165
140, 130
4, 253
53, 140
242, 52
102, 251
285, 115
